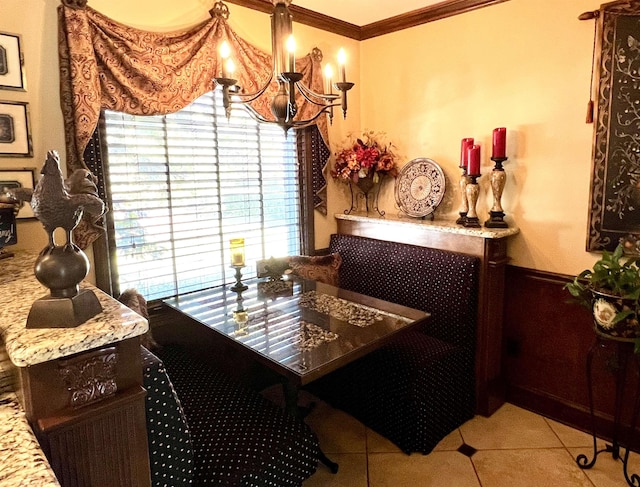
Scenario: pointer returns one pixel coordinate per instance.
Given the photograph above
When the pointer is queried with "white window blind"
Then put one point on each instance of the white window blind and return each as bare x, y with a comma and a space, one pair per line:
184, 184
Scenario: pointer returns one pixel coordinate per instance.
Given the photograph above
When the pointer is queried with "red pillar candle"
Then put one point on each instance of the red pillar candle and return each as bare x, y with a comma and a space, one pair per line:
499, 142
473, 155
464, 151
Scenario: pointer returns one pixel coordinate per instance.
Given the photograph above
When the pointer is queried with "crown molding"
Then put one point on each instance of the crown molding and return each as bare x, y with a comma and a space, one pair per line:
439, 11
442, 10
306, 17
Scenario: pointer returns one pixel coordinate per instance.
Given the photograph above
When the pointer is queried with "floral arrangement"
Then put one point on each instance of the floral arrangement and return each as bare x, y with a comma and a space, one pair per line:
368, 156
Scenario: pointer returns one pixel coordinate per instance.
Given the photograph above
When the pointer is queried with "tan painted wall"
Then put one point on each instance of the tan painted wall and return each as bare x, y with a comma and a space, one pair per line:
523, 64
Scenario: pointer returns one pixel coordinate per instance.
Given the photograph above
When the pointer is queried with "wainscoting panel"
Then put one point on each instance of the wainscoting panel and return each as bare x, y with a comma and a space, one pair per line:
545, 345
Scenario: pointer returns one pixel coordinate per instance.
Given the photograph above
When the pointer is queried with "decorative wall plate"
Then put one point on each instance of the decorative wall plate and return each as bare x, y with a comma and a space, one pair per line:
420, 187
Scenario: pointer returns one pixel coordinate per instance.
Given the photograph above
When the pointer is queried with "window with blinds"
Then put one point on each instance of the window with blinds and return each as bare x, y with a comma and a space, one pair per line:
184, 184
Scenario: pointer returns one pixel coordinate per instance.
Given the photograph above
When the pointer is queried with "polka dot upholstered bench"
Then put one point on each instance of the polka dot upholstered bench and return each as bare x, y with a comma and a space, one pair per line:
170, 447
228, 436
420, 387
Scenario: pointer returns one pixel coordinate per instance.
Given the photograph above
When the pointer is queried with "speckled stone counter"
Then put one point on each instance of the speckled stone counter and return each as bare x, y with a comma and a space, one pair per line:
22, 462
441, 226
26, 352
19, 289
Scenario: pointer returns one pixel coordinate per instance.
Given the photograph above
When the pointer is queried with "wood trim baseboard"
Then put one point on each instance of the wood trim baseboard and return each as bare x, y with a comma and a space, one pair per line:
442, 10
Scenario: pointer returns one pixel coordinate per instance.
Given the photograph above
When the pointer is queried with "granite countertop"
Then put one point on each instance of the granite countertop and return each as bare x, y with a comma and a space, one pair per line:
22, 462
444, 226
19, 289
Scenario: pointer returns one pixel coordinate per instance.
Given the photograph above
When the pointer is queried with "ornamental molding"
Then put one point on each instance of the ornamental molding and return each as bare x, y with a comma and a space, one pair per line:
90, 379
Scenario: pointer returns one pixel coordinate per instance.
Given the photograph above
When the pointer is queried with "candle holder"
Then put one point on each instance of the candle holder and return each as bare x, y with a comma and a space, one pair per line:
498, 180
240, 316
238, 287
472, 191
464, 203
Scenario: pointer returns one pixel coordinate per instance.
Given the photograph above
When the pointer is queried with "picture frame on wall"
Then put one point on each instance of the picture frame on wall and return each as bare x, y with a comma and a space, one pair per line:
23, 178
15, 131
11, 62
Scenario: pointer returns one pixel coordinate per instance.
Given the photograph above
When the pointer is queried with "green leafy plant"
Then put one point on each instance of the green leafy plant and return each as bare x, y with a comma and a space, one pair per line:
614, 274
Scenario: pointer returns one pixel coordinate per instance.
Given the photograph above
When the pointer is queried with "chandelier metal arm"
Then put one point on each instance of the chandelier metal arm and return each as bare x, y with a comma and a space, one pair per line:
298, 124
308, 94
248, 97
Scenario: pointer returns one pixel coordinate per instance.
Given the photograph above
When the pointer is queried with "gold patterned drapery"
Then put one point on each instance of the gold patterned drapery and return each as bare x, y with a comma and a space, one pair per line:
108, 65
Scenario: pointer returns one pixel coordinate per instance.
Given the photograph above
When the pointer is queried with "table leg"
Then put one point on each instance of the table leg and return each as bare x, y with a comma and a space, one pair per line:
291, 406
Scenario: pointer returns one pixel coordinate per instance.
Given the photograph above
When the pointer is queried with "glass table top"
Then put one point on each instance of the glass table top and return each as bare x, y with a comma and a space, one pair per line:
302, 329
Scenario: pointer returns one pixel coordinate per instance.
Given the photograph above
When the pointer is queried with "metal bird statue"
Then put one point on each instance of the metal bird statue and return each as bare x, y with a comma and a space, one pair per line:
62, 268
55, 206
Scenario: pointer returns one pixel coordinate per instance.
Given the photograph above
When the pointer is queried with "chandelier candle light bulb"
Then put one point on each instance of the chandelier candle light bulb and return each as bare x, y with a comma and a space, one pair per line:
342, 61
328, 74
291, 50
225, 53
230, 67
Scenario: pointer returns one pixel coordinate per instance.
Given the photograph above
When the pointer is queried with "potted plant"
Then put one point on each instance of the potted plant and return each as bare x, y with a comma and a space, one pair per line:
611, 290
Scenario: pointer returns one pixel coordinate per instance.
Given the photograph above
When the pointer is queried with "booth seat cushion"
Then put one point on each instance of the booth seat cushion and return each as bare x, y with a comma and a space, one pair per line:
170, 448
408, 391
239, 437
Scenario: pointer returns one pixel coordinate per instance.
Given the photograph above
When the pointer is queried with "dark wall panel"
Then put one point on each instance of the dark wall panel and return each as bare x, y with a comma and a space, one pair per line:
546, 341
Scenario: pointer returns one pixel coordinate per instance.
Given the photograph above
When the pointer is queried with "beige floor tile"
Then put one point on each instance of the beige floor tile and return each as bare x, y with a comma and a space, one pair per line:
451, 442
379, 444
570, 437
438, 469
509, 427
529, 468
608, 472
337, 431
351, 473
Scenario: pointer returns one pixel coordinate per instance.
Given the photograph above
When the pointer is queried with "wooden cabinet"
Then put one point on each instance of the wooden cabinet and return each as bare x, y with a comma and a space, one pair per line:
88, 413
490, 246
80, 388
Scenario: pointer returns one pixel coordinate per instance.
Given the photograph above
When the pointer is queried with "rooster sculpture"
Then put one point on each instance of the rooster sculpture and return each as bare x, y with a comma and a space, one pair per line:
55, 206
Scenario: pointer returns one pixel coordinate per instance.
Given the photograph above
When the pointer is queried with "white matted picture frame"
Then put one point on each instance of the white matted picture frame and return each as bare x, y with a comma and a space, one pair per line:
16, 179
15, 131
11, 62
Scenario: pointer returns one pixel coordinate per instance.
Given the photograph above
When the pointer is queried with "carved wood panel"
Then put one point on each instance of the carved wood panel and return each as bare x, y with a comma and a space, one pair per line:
90, 377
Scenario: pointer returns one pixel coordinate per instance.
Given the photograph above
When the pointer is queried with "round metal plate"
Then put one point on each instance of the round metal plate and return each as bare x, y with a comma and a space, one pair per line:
420, 187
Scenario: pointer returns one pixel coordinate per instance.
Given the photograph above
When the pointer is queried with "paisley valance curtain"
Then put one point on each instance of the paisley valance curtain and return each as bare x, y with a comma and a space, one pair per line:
108, 65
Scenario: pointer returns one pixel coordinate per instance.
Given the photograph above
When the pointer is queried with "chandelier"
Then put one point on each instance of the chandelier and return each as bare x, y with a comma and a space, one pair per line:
283, 103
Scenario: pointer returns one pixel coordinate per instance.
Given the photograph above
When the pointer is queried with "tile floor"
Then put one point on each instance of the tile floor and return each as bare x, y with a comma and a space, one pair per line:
515, 448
